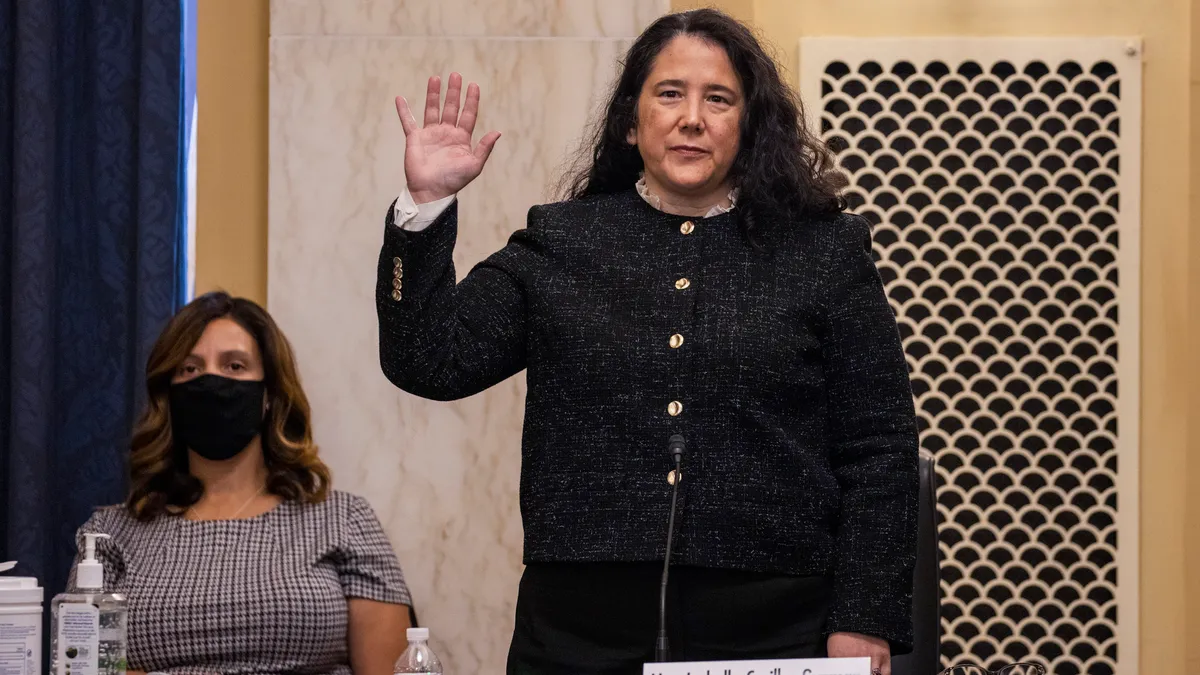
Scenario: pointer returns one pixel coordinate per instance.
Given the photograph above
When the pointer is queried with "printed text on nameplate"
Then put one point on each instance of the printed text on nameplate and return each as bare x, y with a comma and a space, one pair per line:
855, 666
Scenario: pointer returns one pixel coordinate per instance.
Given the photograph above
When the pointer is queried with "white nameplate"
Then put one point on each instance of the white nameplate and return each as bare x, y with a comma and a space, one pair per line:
854, 666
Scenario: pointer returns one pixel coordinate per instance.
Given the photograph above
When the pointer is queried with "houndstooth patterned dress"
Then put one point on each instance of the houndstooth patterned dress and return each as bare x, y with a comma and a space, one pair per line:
261, 595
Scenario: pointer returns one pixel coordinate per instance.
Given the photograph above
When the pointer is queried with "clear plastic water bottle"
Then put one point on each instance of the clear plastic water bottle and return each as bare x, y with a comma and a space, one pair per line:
418, 658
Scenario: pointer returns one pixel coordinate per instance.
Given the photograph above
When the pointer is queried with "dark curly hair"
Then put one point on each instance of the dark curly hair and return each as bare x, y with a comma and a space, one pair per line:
782, 171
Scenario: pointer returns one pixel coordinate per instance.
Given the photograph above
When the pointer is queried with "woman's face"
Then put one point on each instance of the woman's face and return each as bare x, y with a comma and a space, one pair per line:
225, 349
688, 120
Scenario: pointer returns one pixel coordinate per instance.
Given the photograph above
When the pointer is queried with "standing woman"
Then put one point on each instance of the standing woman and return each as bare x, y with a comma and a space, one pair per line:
700, 279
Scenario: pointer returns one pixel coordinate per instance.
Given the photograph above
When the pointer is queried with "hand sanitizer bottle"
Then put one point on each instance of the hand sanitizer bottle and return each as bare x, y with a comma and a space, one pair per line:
88, 626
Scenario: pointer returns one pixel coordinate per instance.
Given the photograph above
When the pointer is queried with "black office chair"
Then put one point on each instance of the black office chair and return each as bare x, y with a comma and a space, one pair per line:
927, 598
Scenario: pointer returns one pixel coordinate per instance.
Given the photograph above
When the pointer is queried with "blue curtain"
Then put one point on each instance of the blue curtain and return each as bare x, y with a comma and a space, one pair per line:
90, 154
187, 175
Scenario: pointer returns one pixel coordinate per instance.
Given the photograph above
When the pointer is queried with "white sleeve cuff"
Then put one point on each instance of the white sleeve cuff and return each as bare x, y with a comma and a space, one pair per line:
415, 217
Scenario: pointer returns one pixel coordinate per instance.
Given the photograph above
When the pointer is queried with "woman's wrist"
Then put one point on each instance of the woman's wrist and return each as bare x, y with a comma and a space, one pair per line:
427, 196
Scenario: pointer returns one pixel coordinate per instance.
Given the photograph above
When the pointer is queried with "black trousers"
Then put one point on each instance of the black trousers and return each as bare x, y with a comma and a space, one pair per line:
602, 618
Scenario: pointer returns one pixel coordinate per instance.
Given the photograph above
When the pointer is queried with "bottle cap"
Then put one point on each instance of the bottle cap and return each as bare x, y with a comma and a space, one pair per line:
418, 634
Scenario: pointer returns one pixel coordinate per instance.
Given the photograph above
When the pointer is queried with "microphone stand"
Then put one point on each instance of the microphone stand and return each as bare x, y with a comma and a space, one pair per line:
662, 647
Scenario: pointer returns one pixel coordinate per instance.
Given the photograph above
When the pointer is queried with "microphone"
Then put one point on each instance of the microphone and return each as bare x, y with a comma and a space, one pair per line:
662, 648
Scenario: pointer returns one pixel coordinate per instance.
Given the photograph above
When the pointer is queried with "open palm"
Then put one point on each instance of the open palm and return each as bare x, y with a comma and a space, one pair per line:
439, 159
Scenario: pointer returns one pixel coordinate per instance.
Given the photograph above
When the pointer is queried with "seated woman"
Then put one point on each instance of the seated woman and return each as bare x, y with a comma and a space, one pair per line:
235, 555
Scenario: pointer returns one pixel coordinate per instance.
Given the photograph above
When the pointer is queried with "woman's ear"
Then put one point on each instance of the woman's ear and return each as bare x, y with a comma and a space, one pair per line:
632, 135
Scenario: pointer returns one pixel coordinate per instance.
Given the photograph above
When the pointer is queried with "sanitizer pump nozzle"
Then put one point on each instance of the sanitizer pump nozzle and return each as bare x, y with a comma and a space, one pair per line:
89, 575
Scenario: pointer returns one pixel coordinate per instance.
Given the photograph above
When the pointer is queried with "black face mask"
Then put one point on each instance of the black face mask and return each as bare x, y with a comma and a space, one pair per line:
216, 416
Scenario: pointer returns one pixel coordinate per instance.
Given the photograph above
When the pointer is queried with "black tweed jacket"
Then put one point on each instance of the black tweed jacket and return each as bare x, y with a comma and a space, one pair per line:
783, 369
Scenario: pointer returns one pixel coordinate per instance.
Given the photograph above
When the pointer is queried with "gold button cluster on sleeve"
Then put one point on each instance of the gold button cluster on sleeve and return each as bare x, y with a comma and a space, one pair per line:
397, 275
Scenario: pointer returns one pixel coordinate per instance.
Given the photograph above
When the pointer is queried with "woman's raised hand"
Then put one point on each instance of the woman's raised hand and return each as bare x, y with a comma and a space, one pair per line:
439, 159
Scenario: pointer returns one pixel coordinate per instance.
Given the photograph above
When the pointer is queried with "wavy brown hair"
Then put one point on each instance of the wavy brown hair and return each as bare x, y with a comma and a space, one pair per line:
159, 479
783, 172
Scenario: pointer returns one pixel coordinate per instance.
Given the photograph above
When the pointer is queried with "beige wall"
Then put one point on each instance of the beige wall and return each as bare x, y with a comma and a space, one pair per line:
742, 10
442, 476
232, 197
231, 147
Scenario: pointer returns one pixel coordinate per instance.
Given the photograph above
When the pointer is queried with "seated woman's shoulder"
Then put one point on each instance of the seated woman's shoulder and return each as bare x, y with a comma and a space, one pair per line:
344, 505
116, 521
111, 513
352, 516
342, 500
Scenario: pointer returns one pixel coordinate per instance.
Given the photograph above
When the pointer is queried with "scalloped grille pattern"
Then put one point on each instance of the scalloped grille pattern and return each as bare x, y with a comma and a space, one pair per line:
993, 188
